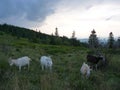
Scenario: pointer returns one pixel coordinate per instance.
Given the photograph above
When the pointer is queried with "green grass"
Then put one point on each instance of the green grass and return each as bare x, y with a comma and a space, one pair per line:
65, 75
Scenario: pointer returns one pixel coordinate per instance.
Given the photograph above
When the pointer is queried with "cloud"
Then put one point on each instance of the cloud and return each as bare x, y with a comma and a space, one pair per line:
83, 16
33, 10
114, 18
86, 4
38, 10
109, 18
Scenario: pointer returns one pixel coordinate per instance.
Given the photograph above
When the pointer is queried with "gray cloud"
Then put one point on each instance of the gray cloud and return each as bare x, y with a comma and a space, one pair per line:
109, 18
31, 13
34, 10
113, 18
87, 4
37, 10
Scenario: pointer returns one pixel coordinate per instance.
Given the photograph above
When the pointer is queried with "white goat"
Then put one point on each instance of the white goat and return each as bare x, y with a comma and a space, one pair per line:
20, 62
46, 62
85, 70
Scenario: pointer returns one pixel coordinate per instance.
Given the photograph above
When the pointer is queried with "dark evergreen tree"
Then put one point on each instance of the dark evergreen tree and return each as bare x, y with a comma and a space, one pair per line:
73, 34
93, 40
56, 32
111, 40
118, 42
65, 40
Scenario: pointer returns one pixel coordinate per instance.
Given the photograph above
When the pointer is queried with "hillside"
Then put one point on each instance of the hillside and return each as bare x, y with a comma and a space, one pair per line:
65, 75
38, 37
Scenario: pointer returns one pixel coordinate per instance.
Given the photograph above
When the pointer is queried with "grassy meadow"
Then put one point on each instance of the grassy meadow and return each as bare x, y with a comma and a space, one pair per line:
65, 75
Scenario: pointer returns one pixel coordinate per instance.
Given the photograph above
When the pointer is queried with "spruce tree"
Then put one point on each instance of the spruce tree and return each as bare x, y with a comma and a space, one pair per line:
93, 40
73, 35
111, 40
56, 32
118, 42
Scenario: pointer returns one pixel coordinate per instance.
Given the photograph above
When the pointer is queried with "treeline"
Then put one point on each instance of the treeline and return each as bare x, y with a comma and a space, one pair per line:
112, 45
38, 37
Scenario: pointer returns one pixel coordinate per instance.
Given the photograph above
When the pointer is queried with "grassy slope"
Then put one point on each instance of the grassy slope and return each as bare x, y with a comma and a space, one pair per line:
65, 75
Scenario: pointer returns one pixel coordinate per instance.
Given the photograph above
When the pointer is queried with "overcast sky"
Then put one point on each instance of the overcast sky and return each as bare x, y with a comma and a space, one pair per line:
81, 16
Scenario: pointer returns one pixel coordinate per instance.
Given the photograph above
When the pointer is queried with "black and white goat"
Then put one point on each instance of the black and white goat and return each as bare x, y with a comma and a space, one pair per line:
94, 60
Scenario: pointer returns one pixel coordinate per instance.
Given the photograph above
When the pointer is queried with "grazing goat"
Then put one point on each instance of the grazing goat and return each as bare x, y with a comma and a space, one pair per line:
85, 70
46, 62
94, 59
20, 62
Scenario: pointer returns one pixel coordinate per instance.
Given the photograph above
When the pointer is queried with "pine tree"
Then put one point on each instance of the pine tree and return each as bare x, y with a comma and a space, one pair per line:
111, 40
73, 35
56, 32
93, 40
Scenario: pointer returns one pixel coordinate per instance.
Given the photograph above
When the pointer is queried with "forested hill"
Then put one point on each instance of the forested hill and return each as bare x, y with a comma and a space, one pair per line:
37, 37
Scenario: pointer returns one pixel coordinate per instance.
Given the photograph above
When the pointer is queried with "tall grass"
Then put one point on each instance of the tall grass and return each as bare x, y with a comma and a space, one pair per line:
66, 69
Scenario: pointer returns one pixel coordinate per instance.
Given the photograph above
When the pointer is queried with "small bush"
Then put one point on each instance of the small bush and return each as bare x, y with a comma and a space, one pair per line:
3, 61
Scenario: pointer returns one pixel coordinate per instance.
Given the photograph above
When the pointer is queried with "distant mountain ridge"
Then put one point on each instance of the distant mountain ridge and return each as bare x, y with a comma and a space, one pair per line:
102, 40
